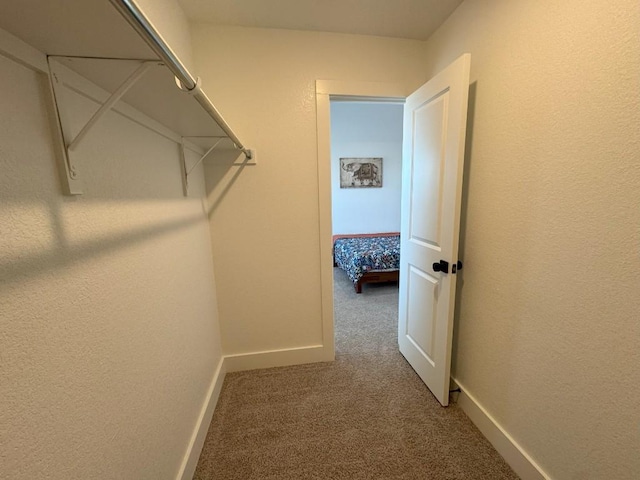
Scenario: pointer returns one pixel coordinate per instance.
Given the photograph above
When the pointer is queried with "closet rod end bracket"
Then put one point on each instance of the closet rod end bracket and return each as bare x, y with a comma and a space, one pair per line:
249, 156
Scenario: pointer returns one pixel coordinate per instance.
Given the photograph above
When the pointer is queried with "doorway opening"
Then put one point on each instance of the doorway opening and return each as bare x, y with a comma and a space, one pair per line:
355, 120
366, 181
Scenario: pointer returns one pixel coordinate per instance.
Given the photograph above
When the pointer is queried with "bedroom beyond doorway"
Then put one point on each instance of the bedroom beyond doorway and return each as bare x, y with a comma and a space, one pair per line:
366, 178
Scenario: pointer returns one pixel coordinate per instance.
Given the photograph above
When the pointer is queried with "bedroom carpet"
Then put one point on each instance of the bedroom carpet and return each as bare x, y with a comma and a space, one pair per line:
365, 416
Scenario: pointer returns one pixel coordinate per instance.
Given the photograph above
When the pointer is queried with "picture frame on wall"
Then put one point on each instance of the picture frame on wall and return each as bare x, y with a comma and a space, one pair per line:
361, 172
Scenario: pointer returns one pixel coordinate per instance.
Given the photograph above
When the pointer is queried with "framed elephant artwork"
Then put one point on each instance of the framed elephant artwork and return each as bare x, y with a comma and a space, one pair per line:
360, 172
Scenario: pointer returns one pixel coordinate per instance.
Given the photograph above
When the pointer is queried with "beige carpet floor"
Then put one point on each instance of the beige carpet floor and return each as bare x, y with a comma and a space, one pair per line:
365, 416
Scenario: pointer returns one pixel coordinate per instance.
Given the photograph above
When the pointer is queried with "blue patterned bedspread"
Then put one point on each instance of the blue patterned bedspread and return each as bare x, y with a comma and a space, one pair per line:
358, 255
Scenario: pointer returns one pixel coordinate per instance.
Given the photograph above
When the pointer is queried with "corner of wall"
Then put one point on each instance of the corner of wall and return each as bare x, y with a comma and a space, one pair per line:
513, 453
278, 358
190, 460
171, 21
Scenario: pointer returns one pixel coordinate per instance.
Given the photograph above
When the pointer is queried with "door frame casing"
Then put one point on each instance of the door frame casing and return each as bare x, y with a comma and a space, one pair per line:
325, 91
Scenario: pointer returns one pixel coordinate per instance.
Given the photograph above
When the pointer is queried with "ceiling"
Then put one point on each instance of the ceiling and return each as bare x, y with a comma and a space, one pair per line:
412, 19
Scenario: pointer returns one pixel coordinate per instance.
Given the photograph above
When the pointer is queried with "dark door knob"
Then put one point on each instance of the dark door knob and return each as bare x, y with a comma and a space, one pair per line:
441, 266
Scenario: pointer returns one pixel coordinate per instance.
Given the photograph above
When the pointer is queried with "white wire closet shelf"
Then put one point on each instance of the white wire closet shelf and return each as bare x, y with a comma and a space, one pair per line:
113, 44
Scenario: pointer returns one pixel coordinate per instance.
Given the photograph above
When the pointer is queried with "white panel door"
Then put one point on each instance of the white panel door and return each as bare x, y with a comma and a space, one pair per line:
433, 155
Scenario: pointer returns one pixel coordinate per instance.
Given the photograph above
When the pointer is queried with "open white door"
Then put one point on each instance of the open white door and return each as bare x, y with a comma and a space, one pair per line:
433, 156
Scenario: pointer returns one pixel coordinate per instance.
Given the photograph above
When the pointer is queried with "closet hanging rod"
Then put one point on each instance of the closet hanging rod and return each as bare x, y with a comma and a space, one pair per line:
141, 24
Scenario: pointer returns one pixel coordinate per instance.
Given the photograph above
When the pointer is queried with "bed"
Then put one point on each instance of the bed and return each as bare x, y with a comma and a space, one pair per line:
368, 258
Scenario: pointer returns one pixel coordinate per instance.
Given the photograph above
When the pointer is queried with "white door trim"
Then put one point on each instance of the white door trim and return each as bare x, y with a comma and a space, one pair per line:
325, 91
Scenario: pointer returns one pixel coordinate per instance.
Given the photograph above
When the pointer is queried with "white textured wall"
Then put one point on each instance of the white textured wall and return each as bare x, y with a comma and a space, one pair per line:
548, 335
265, 221
170, 20
362, 129
108, 324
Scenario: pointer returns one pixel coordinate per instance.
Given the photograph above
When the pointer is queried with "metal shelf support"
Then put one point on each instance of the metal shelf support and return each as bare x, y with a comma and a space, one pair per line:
186, 172
141, 24
111, 101
68, 146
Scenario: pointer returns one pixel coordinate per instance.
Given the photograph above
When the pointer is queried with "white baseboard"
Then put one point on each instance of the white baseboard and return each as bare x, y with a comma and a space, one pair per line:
511, 451
190, 460
277, 358
235, 363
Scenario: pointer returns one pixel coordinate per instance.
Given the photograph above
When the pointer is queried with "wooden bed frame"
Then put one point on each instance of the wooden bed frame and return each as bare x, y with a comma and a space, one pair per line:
377, 277
374, 276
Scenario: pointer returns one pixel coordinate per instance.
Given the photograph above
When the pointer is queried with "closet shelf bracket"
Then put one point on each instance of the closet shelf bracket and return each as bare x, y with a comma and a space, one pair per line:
133, 14
73, 184
183, 164
111, 101
248, 159
183, 161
